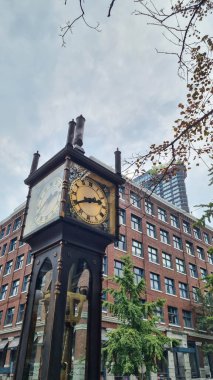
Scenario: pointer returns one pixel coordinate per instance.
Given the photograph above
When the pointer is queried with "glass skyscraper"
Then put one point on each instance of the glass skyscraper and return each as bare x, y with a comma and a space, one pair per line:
172, 187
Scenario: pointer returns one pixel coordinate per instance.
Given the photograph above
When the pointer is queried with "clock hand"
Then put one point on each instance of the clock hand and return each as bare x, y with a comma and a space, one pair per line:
89, 200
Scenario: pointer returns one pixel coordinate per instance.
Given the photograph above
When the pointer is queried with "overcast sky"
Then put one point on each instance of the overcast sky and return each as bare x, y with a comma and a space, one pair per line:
126, 91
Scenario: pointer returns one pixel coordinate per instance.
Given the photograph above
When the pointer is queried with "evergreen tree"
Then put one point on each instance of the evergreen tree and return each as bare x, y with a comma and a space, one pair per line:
136, 345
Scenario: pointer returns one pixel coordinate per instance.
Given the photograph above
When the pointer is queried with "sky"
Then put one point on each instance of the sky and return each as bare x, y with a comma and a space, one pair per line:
127, 92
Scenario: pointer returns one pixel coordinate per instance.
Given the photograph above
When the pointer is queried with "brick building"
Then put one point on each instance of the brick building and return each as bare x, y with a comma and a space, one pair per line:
166, 248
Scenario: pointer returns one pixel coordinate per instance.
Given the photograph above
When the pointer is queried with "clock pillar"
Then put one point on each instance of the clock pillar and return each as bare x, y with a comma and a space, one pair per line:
72, 217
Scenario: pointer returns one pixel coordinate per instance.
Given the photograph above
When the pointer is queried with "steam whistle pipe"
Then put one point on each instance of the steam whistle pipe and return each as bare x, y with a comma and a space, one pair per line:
71, 132
79, 131
35, 160
118, 161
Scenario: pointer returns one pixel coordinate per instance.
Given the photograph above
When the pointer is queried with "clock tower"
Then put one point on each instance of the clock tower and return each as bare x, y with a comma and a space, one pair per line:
71, 217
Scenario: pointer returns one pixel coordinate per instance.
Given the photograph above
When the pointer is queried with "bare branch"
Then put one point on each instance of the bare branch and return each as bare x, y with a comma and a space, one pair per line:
110, 8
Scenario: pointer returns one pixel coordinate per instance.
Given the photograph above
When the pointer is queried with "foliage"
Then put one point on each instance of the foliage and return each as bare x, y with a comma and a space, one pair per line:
205, 310
136, 344
183, 25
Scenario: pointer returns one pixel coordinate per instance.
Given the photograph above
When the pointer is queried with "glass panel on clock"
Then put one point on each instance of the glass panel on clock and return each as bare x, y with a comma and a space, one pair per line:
38, 322
74, 352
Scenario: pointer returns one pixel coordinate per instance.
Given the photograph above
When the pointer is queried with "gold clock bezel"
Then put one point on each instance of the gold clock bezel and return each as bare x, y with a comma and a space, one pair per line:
89, 201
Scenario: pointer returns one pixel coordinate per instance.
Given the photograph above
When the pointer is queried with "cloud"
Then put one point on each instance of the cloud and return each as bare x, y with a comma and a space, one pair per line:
126, 91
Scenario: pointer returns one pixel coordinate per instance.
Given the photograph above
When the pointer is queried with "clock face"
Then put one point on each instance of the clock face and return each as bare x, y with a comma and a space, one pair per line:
89, 200
44, 202
48, 201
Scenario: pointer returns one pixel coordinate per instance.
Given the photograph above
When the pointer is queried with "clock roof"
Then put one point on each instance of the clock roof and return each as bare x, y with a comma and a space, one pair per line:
78, 158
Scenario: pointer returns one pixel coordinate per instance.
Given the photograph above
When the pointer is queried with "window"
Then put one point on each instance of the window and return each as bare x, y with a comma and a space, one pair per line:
105, 265
204, 273
186, 227
21, 243
167, 260
2, 233
149, 207
8, 229
20, 315
174, 221
25, 283
8, 267
164, 236
169, 285
3, 292
29, 258
4, 248
190, 248
210, 257
122, 192
201, 254
153, 254
136, 223
17, 224
104, 298
184, 290
12, 245
196, 294
9, 316
162, 214
173, 315
138, 274
206, 238
122, 216
118, 268
187, 318
137, 248
155, 281
159, 313
121, 243
14, 288
197, 233
151, 230
180, 265
19, 262
193, 270
135, 199
177, 242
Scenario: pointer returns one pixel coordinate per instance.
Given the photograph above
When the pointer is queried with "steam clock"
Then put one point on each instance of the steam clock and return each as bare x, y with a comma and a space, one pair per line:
71, 217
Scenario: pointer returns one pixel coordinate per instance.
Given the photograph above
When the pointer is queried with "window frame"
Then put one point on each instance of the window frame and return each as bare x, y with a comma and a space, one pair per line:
164, 236
186, 319
174, 220
121, 243
167, 259
155, 280
14, 288
184, 290
153, 253
149, 229
169, 284
173, 312
136, 223
138, 251
135, 199
118, 270
180, 265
